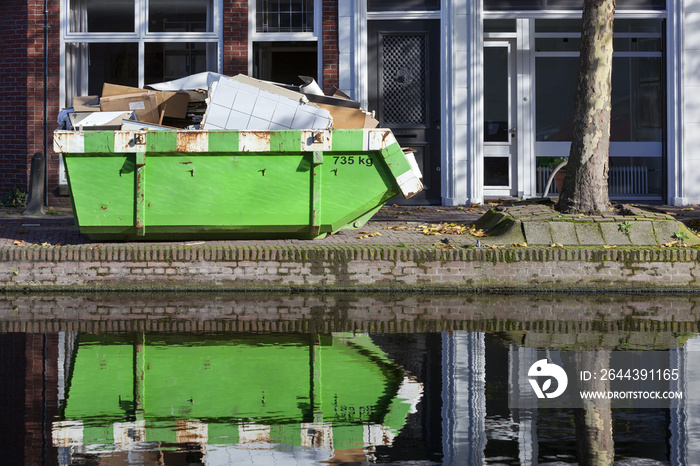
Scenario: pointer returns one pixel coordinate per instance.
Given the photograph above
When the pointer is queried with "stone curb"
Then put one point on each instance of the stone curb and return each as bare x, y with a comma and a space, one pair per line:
171, 253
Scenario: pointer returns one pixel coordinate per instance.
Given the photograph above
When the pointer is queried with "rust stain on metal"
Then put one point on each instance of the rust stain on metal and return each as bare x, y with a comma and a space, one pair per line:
58, 142
386, 135
139, 138
256, 141
190, 142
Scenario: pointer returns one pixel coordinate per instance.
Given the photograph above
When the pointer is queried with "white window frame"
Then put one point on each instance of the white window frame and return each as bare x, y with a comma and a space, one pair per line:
643, 149
313, 36
140, 36
530, 149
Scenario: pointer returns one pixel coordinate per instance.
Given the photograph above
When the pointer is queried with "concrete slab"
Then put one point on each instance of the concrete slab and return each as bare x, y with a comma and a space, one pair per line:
613, 235
642, 233
537, 233
563, 233
665, 232
589, 234
508, 231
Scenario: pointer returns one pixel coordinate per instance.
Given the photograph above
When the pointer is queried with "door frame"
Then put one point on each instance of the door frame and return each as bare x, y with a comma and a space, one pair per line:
506, 149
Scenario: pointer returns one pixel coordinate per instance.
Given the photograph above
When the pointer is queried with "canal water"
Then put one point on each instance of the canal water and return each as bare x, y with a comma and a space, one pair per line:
276, 379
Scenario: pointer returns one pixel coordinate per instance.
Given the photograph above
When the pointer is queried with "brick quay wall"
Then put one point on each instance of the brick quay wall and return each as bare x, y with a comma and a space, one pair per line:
659, 320
332, 268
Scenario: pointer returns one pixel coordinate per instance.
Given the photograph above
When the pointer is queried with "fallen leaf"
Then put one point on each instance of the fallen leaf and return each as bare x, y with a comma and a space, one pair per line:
18, 242
440, 245
556, 245
478, 233
674, 244
610, 246
495, 246
520, 245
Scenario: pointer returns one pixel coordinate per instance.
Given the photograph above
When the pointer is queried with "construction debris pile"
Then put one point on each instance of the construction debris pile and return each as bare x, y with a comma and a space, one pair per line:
210, 101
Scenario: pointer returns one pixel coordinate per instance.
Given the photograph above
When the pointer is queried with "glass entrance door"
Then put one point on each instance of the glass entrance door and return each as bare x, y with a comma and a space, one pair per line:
500, 129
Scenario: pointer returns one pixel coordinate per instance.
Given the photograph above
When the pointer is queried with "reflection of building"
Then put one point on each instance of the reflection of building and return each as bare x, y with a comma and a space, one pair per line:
482, 89
28, 397
479, 372
161, 400
282, 396
685, 418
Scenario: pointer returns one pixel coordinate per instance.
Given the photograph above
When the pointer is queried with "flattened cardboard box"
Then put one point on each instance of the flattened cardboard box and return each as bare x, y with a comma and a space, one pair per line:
174, 103
86, 103
144, 105
105, 121
350, 118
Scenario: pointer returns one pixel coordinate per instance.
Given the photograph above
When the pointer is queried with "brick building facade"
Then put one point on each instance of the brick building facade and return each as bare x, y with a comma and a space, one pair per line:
486, 89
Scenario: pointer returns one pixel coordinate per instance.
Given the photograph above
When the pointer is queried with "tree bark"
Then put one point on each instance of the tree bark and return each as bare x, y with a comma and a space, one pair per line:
594, 429
585, 187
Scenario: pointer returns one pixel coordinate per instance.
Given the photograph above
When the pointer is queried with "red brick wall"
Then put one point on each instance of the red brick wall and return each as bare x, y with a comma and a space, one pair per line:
235, 19
330, 44
13, 112
41, 398
35, 130
23, 84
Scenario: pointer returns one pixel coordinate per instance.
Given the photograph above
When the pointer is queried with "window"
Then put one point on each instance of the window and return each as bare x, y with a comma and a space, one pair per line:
137, 42
500, 5
637, 87
403, 5
284, 16
285, 43
637, 116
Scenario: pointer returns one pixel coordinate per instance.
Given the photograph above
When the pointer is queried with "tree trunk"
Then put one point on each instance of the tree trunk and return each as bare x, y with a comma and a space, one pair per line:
586, 184
594, 429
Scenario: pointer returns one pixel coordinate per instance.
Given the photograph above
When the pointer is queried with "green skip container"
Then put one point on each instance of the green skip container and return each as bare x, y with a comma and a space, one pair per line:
186, 184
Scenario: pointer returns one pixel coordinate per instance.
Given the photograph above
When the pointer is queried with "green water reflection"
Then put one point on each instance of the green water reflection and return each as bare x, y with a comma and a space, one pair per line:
298, 390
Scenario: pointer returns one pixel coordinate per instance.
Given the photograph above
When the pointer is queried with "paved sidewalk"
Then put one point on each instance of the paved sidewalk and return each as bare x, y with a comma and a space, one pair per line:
393, 225
393, 252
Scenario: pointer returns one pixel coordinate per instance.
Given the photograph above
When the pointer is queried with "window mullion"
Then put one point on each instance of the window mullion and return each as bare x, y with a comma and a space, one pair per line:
141, 28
